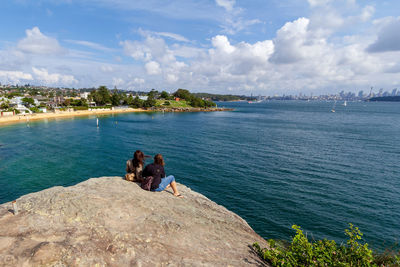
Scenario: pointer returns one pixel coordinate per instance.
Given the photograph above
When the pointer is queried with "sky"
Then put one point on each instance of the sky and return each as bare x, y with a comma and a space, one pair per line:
246, 47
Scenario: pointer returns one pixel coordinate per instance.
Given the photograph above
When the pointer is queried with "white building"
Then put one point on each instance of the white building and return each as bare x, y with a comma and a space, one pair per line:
17, 103
84, 95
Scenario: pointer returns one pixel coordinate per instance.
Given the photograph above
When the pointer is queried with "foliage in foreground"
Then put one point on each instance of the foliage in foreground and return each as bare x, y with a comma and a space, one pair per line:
301, 252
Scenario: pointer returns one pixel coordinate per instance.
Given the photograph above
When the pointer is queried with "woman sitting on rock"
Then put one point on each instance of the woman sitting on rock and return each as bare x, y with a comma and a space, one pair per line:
134, 167
160, 182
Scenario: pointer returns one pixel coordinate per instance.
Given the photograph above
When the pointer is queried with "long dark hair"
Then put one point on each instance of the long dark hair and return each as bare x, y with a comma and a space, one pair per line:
138, 158
158, 159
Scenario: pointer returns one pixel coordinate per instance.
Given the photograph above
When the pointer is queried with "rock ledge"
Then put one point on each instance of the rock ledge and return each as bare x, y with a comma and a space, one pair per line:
111, 222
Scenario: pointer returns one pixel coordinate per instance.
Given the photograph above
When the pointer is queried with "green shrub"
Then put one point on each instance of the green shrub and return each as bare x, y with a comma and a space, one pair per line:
167, 103
35, 110
81, 108
302, 252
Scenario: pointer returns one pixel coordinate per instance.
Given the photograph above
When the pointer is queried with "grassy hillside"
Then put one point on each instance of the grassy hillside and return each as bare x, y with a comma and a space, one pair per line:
173, 104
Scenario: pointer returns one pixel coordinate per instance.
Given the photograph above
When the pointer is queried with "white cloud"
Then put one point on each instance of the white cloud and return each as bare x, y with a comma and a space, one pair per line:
290, 40
53, 79
118, 82
186, 51
388, 38
14, 77
152, 48
314, 3
172, 78
12, 59
135, 83
221, 42
106, 68
91, 45
36, 42
171, 35
235, 24
227, 4
153, 68
138, 81
367, 13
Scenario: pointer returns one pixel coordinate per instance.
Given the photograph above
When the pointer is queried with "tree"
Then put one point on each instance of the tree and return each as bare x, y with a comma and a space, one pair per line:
164, 95
101, 96
5, 105
28, 100
152, 93
183, 94
197, 102
150, 102
104, 95
137, 102
128, 100
67, 102
115, 99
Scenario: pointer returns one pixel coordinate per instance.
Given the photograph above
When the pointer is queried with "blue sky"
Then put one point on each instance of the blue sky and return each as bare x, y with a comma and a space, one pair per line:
223, 46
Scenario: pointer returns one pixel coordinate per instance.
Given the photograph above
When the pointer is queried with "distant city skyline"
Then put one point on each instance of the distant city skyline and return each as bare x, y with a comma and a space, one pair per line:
216, 46
342, 95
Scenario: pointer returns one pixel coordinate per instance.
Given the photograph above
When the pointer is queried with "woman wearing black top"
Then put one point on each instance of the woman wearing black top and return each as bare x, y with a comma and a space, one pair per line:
160, 182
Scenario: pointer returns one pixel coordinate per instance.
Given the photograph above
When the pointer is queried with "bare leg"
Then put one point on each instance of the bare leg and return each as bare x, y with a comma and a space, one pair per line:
176, 193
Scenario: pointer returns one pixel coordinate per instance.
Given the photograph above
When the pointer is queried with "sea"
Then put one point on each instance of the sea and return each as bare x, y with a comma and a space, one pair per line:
275, 163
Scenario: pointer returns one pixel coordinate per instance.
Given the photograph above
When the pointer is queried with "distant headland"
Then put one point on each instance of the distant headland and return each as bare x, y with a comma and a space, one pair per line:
385, 99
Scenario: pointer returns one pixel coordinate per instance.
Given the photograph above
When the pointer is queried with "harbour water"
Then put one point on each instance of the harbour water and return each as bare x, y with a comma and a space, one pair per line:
275, 164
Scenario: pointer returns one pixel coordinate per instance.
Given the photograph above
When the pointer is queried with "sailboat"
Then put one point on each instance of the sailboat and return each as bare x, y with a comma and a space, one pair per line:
333, 107
345, 103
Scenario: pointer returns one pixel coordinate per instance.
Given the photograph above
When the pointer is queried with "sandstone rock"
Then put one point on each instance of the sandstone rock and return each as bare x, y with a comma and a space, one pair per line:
111, 222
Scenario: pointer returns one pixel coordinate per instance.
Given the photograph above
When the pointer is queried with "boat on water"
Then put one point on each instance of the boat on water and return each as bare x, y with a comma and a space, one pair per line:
345, 103
333, 107
253, 102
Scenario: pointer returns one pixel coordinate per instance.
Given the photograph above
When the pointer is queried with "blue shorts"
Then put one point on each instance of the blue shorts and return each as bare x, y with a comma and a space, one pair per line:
164, 183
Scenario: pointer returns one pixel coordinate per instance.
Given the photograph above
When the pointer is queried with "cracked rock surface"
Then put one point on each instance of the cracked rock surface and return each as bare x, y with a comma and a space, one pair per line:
108, 221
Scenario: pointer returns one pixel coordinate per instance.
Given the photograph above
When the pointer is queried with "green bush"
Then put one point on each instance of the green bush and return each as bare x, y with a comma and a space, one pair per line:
167, 103
35, 110
81, 108
301, 252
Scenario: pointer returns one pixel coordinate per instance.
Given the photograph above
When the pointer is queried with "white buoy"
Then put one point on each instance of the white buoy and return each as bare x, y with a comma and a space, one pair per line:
97, 122
15, 207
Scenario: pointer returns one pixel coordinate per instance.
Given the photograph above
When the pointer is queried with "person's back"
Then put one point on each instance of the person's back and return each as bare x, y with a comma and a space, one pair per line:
159, 181
155, 170
134, 167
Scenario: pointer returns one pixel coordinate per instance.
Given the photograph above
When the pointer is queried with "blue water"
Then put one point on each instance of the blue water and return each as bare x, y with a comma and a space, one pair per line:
275, 164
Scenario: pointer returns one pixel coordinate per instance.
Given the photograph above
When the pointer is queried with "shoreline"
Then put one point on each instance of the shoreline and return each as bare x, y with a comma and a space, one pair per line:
63, 114
24, 118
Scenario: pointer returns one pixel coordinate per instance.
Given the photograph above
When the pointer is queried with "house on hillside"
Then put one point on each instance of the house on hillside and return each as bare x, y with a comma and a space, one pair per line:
84, 95
17, 103
55, 102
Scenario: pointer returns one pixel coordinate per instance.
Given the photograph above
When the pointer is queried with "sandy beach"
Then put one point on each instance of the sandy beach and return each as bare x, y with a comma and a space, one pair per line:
64, 114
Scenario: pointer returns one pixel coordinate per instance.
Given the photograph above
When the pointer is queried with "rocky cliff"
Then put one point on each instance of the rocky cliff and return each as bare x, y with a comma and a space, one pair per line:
111, 222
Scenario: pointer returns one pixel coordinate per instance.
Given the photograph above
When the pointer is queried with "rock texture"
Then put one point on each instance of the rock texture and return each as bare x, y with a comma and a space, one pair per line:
111, 222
